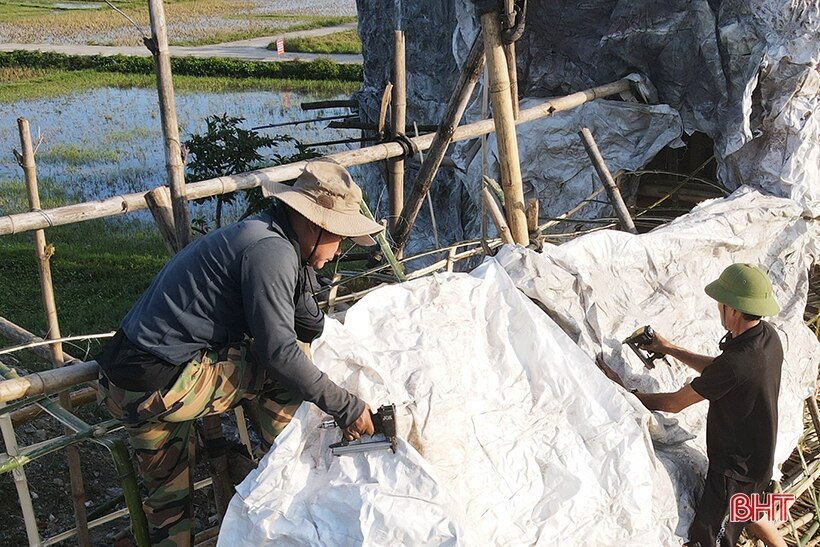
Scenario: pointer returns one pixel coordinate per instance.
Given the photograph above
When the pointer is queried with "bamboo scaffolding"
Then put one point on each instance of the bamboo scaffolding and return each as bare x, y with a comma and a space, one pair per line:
507, 141
609, 183
395, 187
50, 381
118, 205
170, 128
50, 308
470, 73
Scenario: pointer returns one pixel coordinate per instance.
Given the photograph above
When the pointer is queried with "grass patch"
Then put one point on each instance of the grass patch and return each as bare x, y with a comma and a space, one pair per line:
75, 155
45, 83
99, 269
346, 42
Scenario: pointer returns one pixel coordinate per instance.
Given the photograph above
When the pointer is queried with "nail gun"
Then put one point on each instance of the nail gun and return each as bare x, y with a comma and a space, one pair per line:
384, 423
641, 337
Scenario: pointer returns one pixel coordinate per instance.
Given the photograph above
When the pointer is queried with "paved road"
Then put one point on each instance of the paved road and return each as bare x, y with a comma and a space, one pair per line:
254, 49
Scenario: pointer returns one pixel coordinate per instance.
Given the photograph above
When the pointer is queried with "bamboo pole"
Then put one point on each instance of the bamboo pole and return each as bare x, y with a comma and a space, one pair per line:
470, 73
118, 205
78, 398
49, 381
509, 55
170, 129
609, 183
20, 481
811, 402
499, 85
385, 104
451, 259
532, 215
50, 308
399, 105
159, 203
497, 216
512, 67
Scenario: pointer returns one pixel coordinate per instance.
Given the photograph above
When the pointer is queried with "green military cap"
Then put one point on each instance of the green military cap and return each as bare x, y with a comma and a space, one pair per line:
745, 288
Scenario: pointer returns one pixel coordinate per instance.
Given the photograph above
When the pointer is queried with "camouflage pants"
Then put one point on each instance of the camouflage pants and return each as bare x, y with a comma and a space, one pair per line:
160, 424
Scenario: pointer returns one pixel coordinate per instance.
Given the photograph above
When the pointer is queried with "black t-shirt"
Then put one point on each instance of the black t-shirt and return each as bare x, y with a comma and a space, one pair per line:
742, 385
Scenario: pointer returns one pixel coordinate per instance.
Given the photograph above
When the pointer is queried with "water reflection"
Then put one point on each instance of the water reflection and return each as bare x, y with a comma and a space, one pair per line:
108, 141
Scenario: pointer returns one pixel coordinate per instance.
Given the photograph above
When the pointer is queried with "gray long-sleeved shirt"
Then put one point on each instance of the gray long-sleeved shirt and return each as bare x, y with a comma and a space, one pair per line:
243, 279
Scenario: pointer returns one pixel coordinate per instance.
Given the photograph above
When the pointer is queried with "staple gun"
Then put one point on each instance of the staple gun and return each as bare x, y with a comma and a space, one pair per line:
641, 337
384, 423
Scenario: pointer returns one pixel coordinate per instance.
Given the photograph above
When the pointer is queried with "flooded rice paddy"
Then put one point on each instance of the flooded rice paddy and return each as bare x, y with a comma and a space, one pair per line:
108, 141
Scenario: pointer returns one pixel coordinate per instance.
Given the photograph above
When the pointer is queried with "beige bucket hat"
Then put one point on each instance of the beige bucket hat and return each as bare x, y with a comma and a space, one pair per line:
326, 195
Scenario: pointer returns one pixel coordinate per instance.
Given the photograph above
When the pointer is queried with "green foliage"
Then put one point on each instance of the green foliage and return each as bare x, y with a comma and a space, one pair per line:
346, 42
234, 68
227, 149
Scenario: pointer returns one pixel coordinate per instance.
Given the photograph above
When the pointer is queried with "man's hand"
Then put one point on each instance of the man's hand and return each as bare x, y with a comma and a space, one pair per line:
659, 344
362, 426
608, 372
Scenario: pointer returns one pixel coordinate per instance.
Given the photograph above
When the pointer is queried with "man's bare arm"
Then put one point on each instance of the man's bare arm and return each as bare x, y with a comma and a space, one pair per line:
670, 402
693, 360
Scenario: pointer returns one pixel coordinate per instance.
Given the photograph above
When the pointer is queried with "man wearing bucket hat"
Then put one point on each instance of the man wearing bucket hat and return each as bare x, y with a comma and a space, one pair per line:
742, 386
219, 325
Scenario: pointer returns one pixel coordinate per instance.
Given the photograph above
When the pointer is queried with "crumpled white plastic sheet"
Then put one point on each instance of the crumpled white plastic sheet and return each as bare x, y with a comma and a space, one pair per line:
509, 435
603, 286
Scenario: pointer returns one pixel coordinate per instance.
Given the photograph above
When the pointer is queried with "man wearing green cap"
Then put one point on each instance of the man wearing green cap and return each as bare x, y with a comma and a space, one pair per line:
219, 325
742, 386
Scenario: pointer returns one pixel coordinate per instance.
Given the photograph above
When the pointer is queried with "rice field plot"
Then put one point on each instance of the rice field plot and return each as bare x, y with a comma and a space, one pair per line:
104, 142
190, 22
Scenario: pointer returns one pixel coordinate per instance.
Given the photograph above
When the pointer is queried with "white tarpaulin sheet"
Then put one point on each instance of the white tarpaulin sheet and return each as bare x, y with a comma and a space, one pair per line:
509, 433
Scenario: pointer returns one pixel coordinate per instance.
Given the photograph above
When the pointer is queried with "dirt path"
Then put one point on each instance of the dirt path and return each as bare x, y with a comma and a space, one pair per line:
254, 49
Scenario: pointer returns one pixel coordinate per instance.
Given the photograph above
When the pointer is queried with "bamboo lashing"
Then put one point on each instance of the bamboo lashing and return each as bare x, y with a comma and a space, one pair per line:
68, 214
611, 187
50, 309
170, 128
